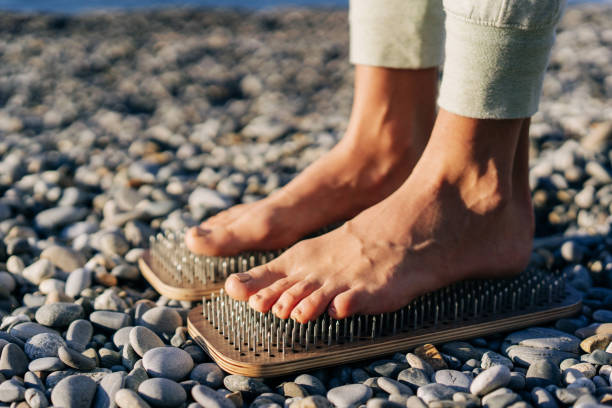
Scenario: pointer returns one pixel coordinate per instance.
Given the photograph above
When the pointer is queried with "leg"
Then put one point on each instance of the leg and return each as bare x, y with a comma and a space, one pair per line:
464, 212
392, 117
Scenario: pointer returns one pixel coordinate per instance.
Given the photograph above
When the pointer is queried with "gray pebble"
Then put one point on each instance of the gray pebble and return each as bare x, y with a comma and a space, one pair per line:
598, 357
59, 216
351, 395
74, 359
167, 362
110, 321
313, 401
382, 403
43, 345
245, 384
542, 373
569, 396
75, 391
312, 384
209, 398
77, 281
542, 398
58, 314
107, 390
414, 377
524, 356
455, 380
415, 402
603, 315
490, 379
208, 374
79, 333
46, 364
417, 362
162, 393
545, 338
162, 320
491, 358
64, 258
36, 398
12, 391
143, 339
461, 350
13, 361
125, 398
517, 381
434, 392
39, 271
24, 331
393, 387
122, 336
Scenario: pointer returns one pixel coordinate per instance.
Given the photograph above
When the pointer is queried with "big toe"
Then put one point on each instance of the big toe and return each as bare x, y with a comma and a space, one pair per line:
241, 286
211, 241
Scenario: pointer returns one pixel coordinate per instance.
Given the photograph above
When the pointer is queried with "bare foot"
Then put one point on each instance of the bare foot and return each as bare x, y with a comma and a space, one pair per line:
464, 212
393, 113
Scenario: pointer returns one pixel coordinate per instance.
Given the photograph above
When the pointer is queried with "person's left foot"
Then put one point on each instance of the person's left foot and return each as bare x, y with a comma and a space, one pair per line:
464, 212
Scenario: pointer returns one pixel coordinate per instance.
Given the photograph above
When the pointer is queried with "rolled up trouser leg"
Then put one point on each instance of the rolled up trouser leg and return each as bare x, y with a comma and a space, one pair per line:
496, 55
397, 33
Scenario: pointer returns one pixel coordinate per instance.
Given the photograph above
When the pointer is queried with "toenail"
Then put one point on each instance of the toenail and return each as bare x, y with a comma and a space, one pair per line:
296, 313
332, 310
200, 232
243, 277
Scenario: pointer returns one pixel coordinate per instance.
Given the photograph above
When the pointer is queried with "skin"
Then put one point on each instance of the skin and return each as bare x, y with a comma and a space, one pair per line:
463, 212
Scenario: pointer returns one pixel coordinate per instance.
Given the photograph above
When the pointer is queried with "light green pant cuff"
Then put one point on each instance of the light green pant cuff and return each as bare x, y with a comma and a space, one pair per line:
493, 72
396, 33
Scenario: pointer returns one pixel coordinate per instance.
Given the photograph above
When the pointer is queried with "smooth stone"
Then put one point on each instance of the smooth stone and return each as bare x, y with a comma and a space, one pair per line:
417, 362
60, 216
382, 403
109, 358
75, 391
587, 369
79, 333
107, 390
461, 350
12, 391
26, 330
129, 356
113, 243
567, 363
209, 398
64, 258
13, 361
110, 321
43, 345
162, 393
78, 280
55, 377
351, 395
545, 338
490, 379
167, 362
109, 300
467, 399
127, 272
524, 356
135, 378
38, 271
517, 381
583, 383
570, 375
209, 199
122, 336
36, 398
7, 281
162, 320
208, 374
46, 364
453, 379
385, 368
393, 387
236, 382
434, 392
74, 359
59, 314
595, 342
569, 396
312, 384
415, 402
143, 339
125, 398
313, 401
291, 390
598, 357
413, 377
603, 316
491, 358
542, 373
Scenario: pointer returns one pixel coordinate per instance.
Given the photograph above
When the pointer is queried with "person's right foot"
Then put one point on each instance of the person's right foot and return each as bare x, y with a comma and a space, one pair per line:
392, 117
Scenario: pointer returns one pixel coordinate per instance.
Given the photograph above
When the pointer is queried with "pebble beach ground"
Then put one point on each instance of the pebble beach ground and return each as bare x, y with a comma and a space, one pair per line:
116, 126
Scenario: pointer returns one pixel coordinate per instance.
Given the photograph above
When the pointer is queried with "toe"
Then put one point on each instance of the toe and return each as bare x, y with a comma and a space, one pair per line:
263, 300
241, 286
312, 306
292, 296
346, 304
224, 217
212, 241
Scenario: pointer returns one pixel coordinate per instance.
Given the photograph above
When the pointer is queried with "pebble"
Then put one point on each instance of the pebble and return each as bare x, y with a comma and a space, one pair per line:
57, 217
235, 382
74, 391
453, 379
524, 356
110, 321
434, 392
162, 393
587, 369
122, 336
209, 398
313, 401
38, 271
46, 364
430, 354
415, 402
13, 361
602, 315
598, 357
545, 338
12, 391
351, 395
417, 362
7, 281
63, 258
143, 339
210, 375
490, 379
43, 345
413, 377
108, 388
292, 390
385, 368
125, 398
59, 314
79, 333
36, 398
491, 358
383, 403
75, 359
542, 373
77, 281
595, 342
167, 362
393, 387
162, 320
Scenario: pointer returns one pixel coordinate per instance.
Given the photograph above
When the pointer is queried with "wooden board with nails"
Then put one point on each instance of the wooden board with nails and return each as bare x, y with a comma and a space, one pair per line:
259, 360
